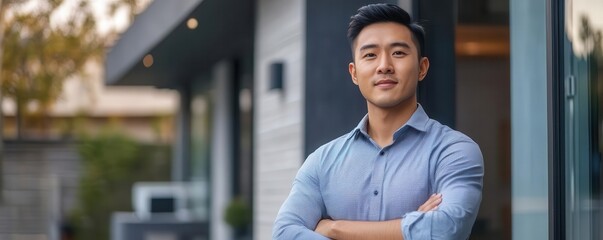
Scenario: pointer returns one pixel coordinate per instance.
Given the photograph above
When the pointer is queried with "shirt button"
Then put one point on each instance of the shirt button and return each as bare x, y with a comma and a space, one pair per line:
375, 192
381, 153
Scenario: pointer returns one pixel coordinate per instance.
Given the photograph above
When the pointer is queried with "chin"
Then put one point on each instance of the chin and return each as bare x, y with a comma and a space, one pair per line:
390, 102
386, 104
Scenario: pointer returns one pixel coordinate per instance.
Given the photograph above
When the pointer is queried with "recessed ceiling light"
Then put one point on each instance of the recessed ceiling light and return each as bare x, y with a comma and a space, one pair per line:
147, 61
192, 23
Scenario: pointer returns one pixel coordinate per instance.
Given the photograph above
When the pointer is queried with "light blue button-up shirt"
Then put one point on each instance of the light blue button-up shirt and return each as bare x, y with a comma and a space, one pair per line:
352, 178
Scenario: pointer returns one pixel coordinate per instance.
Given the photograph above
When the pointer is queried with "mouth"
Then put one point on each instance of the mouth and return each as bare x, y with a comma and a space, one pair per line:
386, 83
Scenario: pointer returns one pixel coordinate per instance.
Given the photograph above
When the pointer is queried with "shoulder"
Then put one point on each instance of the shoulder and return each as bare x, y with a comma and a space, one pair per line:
316, 160
446, 135
332, 148
334, 145
450, 143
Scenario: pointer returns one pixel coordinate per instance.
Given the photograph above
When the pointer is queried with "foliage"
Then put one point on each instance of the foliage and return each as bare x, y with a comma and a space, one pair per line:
112, 163
38, 53
238, 213
591, 37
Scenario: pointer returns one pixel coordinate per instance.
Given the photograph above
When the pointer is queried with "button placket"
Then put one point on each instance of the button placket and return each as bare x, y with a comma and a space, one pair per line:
377, 186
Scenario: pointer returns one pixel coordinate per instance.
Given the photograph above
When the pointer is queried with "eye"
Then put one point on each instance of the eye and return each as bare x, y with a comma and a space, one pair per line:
369, 55
399, 53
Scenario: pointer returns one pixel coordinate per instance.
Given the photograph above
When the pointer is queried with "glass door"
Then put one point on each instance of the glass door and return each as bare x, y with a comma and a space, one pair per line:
583, 81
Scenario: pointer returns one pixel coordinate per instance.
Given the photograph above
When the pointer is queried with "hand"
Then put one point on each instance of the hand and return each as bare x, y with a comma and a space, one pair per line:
324, 227
432, 203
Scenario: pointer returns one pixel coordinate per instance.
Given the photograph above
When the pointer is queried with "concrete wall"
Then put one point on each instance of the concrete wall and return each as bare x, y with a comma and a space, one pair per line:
278, 123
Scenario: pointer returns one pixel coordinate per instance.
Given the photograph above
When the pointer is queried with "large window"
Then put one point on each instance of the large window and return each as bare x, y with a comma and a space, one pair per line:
582, 117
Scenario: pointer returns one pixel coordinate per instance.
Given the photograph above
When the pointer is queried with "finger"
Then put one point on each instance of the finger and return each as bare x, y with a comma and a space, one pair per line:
431, 198
426, 203
433, 201
430, 206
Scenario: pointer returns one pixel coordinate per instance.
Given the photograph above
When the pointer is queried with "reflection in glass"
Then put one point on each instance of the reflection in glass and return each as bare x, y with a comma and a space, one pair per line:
583, 67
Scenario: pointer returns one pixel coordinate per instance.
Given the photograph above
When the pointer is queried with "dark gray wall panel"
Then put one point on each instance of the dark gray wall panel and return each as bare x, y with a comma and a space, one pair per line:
437, 91
333, 104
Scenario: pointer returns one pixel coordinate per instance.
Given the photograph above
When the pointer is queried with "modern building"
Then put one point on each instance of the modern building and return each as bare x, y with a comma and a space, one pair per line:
263, 83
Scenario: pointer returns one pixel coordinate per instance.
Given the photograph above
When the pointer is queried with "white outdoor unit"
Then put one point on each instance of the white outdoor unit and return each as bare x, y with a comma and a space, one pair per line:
160, 199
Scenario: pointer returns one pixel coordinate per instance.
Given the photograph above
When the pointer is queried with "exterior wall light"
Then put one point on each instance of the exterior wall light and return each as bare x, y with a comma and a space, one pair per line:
276, 76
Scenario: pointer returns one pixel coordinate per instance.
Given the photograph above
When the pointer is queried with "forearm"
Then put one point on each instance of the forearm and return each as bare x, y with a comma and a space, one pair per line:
292, 224
295, 232
356, 230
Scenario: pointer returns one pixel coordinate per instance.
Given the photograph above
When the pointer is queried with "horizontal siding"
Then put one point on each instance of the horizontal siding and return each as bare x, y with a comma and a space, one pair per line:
32, 174
278, 114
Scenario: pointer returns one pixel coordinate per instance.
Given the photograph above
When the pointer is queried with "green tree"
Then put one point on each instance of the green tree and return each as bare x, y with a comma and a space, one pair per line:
112, 163
38, 55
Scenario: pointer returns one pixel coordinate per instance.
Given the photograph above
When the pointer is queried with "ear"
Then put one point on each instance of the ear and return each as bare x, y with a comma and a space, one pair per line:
352, 69
423, 68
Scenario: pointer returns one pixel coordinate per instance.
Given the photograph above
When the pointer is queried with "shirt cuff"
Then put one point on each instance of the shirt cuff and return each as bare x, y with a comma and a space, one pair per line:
413, 226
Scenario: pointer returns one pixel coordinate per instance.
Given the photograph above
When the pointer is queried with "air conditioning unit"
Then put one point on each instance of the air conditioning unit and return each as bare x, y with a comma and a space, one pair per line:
160, 199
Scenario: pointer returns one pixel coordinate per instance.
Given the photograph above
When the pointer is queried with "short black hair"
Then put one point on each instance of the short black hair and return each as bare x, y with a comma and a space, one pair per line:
385, 12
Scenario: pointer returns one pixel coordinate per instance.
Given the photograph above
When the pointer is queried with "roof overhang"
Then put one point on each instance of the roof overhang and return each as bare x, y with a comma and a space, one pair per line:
225, 28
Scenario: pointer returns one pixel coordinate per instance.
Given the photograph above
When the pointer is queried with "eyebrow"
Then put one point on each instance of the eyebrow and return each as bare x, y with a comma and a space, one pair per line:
367, 46
400, 44
394, 44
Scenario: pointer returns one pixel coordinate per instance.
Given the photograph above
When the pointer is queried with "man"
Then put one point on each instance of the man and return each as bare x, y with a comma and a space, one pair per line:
398, 174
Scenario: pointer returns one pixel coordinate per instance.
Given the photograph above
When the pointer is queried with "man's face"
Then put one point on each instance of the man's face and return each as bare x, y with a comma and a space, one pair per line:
386, 65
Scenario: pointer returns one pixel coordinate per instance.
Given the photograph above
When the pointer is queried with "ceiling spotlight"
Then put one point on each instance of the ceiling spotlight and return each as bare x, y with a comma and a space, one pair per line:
192, 23
147, 61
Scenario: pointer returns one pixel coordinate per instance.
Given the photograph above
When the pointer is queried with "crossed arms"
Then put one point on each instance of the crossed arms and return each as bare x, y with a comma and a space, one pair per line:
458, 178
370, 230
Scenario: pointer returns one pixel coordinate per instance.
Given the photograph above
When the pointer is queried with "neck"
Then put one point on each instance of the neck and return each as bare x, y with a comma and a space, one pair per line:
383, 122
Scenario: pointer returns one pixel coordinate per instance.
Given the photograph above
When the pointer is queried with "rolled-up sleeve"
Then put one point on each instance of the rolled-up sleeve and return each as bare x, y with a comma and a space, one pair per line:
459, 178
304, 207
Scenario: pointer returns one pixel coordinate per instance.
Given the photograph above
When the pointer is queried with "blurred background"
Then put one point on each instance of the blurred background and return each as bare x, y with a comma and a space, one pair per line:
188, 119
73, 147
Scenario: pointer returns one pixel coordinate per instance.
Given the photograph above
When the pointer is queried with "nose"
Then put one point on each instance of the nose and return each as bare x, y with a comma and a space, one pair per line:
385, 66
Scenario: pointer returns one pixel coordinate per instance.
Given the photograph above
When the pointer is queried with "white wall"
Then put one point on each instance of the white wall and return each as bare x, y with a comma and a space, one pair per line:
278, 138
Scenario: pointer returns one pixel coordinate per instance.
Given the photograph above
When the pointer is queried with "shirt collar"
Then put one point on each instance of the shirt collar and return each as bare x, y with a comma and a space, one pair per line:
418, 121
